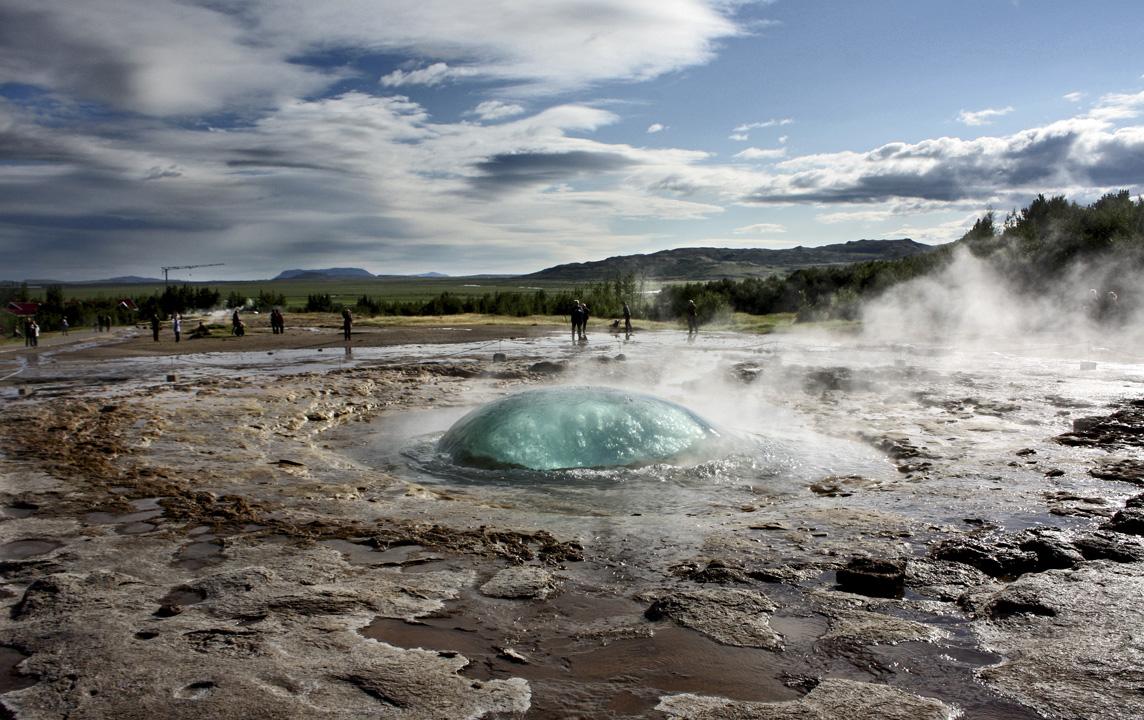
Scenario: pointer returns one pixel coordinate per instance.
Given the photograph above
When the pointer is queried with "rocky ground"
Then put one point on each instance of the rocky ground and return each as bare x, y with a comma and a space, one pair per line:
185, 543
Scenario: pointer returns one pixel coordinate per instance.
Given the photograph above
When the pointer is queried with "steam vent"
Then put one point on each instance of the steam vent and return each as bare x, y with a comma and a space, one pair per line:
577, 427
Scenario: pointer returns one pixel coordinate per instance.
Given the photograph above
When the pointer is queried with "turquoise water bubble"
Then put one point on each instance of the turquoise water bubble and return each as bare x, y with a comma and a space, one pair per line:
578, 427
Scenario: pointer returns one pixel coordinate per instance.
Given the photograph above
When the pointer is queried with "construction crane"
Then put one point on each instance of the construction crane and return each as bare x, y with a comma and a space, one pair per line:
186, 267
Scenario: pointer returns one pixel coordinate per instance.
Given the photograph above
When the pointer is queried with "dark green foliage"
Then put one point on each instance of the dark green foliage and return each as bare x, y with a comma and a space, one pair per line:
320, 302
267, 301
54, 307
174, 299
604, 299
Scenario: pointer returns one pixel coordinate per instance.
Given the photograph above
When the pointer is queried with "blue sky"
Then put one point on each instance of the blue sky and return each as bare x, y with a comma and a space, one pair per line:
507, 136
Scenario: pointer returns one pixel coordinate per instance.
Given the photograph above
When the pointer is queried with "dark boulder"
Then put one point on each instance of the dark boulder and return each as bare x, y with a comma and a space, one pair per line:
873, 577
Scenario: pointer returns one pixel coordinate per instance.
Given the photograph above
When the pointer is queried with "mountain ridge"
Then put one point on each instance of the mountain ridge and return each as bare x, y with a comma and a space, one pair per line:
712, 263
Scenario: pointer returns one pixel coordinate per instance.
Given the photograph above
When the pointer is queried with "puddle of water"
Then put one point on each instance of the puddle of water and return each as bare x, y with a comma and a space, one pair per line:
134, 523
198, 555
17, 511
401, 555
593, 678
29, 548
10, 677
183, 596
106, 518
136, 528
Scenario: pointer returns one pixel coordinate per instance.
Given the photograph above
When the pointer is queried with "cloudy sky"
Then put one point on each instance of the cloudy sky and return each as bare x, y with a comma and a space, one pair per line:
407, 136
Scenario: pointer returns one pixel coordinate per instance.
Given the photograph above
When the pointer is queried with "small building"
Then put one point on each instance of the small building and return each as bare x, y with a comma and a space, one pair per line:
22, 310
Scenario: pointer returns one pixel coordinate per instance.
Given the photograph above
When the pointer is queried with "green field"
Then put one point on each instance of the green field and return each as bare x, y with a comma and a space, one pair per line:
340, 290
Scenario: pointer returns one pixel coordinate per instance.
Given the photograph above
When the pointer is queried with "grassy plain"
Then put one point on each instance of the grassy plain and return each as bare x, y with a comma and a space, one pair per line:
340, 290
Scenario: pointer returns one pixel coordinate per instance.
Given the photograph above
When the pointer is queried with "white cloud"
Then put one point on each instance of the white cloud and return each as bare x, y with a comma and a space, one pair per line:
655, 128
783, 139
754, 153
1082, 155
936, 234
1073, 97
434, 74
982, 117
160, 57
169, 57
739, 137
773, 122
854, 216
491, 110
760, 229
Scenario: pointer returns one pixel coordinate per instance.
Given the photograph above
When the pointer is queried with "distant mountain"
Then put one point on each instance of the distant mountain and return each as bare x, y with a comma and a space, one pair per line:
716, 263
324, 274
430, 275
124, 280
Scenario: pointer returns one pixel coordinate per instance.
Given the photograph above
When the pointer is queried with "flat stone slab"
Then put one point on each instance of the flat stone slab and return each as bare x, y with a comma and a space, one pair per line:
830, 700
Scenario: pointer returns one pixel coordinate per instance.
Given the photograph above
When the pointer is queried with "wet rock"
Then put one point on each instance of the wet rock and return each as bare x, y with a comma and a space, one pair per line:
228, 662
1009, 556
862, 628
997, 559
512, 545
716, 572
728, 616
512, 656
942, 579
1130, 520
898, 447
1129, 471
831, 698
167, 610
1125, 427
228, 642
547, 367
1017, 600
829, 379
523, 582
1069, 504
500, 357
841, 485
1114, 546
62, 593
1070, 639
745, 372
874, 577
1053, 549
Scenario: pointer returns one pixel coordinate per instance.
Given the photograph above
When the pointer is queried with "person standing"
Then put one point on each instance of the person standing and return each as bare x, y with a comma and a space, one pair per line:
347, 324
64, 326
692, 318
177, 326
35, 334
155, 326
627, 320
575, 316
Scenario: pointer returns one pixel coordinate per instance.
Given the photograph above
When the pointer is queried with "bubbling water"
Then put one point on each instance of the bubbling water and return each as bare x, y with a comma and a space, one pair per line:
579, 427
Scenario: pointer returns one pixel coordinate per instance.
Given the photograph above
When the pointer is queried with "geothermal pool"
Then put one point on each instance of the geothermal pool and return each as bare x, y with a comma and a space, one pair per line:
580, 427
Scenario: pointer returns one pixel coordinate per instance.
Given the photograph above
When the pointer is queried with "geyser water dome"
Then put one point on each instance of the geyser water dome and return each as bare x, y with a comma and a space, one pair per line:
577, 427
